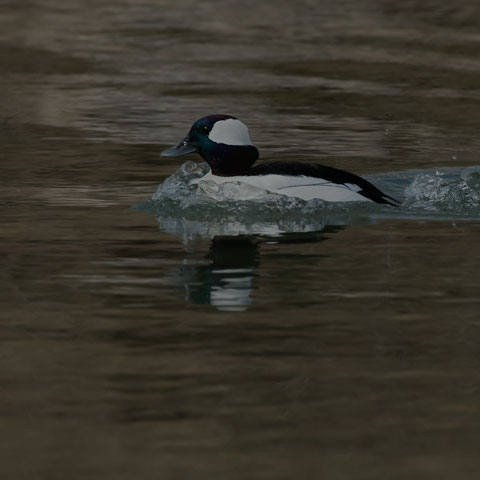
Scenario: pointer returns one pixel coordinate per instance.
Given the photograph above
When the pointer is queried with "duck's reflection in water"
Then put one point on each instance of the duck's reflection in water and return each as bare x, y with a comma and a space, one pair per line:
228, 279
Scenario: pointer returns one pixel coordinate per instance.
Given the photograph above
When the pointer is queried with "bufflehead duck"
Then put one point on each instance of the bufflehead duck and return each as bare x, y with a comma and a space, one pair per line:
224, 143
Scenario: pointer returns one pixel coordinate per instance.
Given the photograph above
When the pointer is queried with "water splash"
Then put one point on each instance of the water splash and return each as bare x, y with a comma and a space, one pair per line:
445, 192
177, 186
207, 209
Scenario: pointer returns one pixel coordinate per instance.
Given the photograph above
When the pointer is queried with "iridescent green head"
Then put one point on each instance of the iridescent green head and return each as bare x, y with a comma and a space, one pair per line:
222, 141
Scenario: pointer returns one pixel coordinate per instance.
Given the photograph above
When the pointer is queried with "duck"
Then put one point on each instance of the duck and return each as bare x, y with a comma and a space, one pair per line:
223, 141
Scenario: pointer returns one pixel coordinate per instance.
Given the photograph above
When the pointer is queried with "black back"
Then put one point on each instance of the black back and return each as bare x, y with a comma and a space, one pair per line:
333, 175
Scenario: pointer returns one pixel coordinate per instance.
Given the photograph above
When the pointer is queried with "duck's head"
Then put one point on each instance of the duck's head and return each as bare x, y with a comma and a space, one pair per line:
222, 141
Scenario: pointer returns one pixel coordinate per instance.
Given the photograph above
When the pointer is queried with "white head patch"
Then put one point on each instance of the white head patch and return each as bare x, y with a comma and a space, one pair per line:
230, 132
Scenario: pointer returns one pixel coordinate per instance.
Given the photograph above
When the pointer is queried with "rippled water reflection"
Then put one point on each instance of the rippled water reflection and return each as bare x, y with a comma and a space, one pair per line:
135, 345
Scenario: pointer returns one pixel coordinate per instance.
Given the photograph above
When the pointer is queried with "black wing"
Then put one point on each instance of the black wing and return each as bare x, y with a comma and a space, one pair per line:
330, 174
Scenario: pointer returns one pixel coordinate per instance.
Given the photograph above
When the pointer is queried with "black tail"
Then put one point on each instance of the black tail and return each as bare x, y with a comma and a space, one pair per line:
376, 195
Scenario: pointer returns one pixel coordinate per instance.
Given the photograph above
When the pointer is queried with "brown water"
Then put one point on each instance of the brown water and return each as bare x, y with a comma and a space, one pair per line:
128, 351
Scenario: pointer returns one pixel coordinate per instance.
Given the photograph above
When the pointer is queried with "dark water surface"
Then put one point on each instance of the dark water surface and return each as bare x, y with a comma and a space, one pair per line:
133, 347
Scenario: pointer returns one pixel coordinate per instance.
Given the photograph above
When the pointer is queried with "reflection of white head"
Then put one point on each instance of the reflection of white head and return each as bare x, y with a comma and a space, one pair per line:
230, 132
234, 295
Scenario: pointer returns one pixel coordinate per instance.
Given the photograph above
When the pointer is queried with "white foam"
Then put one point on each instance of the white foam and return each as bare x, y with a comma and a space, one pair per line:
230, 132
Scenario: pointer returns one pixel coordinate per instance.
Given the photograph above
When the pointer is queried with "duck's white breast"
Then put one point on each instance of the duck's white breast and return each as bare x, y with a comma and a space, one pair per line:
306, 188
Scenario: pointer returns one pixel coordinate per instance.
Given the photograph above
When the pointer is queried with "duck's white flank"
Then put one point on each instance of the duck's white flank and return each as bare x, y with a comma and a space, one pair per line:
306, 188
230, 132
